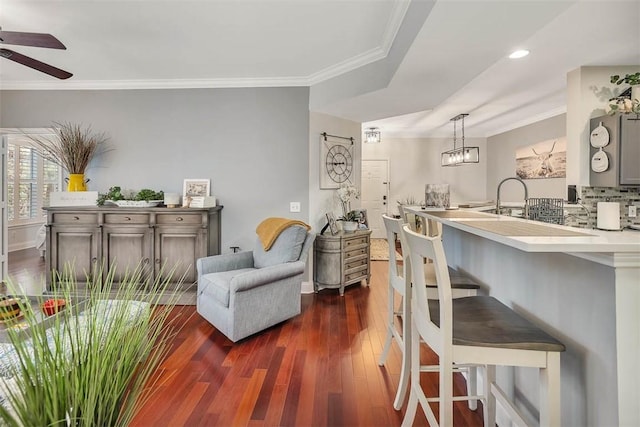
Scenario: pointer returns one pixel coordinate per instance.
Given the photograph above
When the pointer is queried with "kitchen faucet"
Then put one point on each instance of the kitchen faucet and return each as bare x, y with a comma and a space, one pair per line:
526, 196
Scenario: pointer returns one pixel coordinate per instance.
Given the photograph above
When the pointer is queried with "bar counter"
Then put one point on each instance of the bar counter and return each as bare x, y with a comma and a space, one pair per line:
581, 285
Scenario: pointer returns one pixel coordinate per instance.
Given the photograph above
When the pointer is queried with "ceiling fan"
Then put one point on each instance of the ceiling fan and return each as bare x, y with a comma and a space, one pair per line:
32, 39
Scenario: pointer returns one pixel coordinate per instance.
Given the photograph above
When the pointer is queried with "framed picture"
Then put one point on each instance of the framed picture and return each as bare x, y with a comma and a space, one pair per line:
361, 217
333, 226
196, 188
546, 159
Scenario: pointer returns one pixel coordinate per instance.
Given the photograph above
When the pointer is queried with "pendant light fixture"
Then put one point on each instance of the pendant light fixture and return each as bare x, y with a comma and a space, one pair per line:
372, 136
459, 155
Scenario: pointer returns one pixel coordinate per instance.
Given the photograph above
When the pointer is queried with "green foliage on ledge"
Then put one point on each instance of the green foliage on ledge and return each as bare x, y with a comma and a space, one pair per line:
630, 79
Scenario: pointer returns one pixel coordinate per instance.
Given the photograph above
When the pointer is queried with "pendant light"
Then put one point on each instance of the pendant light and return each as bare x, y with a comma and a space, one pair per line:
372, 136
459, 155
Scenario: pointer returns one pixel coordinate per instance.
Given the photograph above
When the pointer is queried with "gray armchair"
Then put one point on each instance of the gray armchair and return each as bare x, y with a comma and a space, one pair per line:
246, 292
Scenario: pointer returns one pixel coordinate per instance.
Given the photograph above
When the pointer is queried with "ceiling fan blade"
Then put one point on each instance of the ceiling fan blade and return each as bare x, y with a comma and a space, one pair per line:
35, 64
31, 39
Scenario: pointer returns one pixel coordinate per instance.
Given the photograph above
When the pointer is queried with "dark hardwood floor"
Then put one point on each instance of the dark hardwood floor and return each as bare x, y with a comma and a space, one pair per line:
317, 369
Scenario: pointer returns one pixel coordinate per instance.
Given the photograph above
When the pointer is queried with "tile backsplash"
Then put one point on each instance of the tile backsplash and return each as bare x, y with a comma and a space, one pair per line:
584, 214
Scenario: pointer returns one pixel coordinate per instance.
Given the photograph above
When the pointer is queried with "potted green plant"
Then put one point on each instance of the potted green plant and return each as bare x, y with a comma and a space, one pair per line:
143, 198
626, 102
71, 147
91, 364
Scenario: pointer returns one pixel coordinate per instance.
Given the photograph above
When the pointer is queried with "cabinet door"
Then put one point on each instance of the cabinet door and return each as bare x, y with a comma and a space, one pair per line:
125, 248
179, 247
630, 150
76, 247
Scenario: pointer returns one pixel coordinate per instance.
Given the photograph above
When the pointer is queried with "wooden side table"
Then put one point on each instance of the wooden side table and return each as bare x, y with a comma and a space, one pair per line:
341, 260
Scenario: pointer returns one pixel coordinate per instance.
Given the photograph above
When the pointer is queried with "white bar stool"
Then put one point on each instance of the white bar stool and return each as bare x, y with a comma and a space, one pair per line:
400, 286
474, 330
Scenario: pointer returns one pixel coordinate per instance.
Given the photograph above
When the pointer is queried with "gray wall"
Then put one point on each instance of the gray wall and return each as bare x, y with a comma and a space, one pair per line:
252, 143
501, 160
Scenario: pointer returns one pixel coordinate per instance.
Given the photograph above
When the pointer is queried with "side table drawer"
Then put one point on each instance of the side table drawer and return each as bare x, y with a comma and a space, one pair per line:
364, 250
351, 264
356, 275
361, 240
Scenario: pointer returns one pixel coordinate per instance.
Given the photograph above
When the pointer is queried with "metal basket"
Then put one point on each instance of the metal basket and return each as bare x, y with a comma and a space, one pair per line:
547, 210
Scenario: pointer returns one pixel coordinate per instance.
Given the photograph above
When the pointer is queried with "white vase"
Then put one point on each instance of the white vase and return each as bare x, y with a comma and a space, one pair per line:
349, 226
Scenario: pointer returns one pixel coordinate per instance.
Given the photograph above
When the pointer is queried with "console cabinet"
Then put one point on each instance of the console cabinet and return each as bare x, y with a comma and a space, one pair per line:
158, 239
341, 259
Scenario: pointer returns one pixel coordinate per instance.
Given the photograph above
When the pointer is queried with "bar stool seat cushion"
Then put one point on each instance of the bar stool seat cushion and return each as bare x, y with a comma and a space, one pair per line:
484, 321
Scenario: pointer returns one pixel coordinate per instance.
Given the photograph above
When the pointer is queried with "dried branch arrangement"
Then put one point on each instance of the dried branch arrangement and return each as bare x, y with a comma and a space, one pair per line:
73, 146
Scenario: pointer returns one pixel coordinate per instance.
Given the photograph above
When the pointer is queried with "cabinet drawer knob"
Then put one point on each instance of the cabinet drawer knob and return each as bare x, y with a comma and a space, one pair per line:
127, 218
179, 218
94, 260
145, 261
77, 218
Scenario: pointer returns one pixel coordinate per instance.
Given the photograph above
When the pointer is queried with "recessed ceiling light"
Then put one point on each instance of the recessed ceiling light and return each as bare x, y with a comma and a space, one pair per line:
519, 54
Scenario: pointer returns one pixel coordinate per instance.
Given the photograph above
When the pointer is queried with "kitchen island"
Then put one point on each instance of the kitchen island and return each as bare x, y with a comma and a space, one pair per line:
581, 285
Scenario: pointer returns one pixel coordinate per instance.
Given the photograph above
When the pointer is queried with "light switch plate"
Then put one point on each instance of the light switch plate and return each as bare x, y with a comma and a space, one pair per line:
633, 211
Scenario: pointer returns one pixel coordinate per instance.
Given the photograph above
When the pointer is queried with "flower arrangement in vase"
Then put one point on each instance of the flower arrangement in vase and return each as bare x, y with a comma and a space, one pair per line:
346, 193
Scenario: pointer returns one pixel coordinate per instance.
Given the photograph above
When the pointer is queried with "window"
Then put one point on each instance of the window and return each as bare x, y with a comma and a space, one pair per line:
30, 180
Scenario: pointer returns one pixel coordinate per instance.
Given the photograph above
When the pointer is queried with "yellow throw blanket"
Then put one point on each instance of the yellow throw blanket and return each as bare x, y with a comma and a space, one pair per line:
269, 229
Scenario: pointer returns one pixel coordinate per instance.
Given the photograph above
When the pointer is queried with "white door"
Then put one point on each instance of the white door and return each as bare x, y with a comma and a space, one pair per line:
375, 194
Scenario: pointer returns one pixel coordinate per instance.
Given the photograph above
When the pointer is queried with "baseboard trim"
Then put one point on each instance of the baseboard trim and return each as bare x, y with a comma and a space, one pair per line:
306, 288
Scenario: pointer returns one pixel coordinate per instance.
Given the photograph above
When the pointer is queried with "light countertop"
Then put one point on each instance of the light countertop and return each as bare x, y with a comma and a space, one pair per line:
549, 238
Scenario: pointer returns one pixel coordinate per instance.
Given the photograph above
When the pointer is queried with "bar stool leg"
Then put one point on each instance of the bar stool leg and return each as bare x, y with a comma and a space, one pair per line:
550, 391
472, 386
489, 410
390, 329
412, 406
405, 370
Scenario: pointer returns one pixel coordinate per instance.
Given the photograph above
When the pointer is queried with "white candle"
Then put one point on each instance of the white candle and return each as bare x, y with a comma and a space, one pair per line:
171, 200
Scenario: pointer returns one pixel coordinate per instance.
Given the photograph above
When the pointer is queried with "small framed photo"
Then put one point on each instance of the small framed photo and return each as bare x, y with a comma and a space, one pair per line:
361, 217
333, 225
196, 188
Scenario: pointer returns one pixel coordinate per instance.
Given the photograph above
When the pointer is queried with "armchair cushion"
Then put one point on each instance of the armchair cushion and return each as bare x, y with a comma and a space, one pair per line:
217, 284
286, 248
226, 262
220, 285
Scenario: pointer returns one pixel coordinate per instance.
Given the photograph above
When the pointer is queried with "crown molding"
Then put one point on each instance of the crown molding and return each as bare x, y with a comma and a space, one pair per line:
393, 26
154, 84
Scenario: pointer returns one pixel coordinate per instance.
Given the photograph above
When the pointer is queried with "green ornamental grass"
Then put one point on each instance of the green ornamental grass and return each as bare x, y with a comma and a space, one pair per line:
91, 365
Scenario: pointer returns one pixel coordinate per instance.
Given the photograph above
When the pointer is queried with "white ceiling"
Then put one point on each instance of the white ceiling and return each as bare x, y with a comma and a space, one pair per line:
454, 62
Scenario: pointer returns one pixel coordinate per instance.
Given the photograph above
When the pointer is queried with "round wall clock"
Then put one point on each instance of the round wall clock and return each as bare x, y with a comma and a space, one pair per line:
339, 163
336, 161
